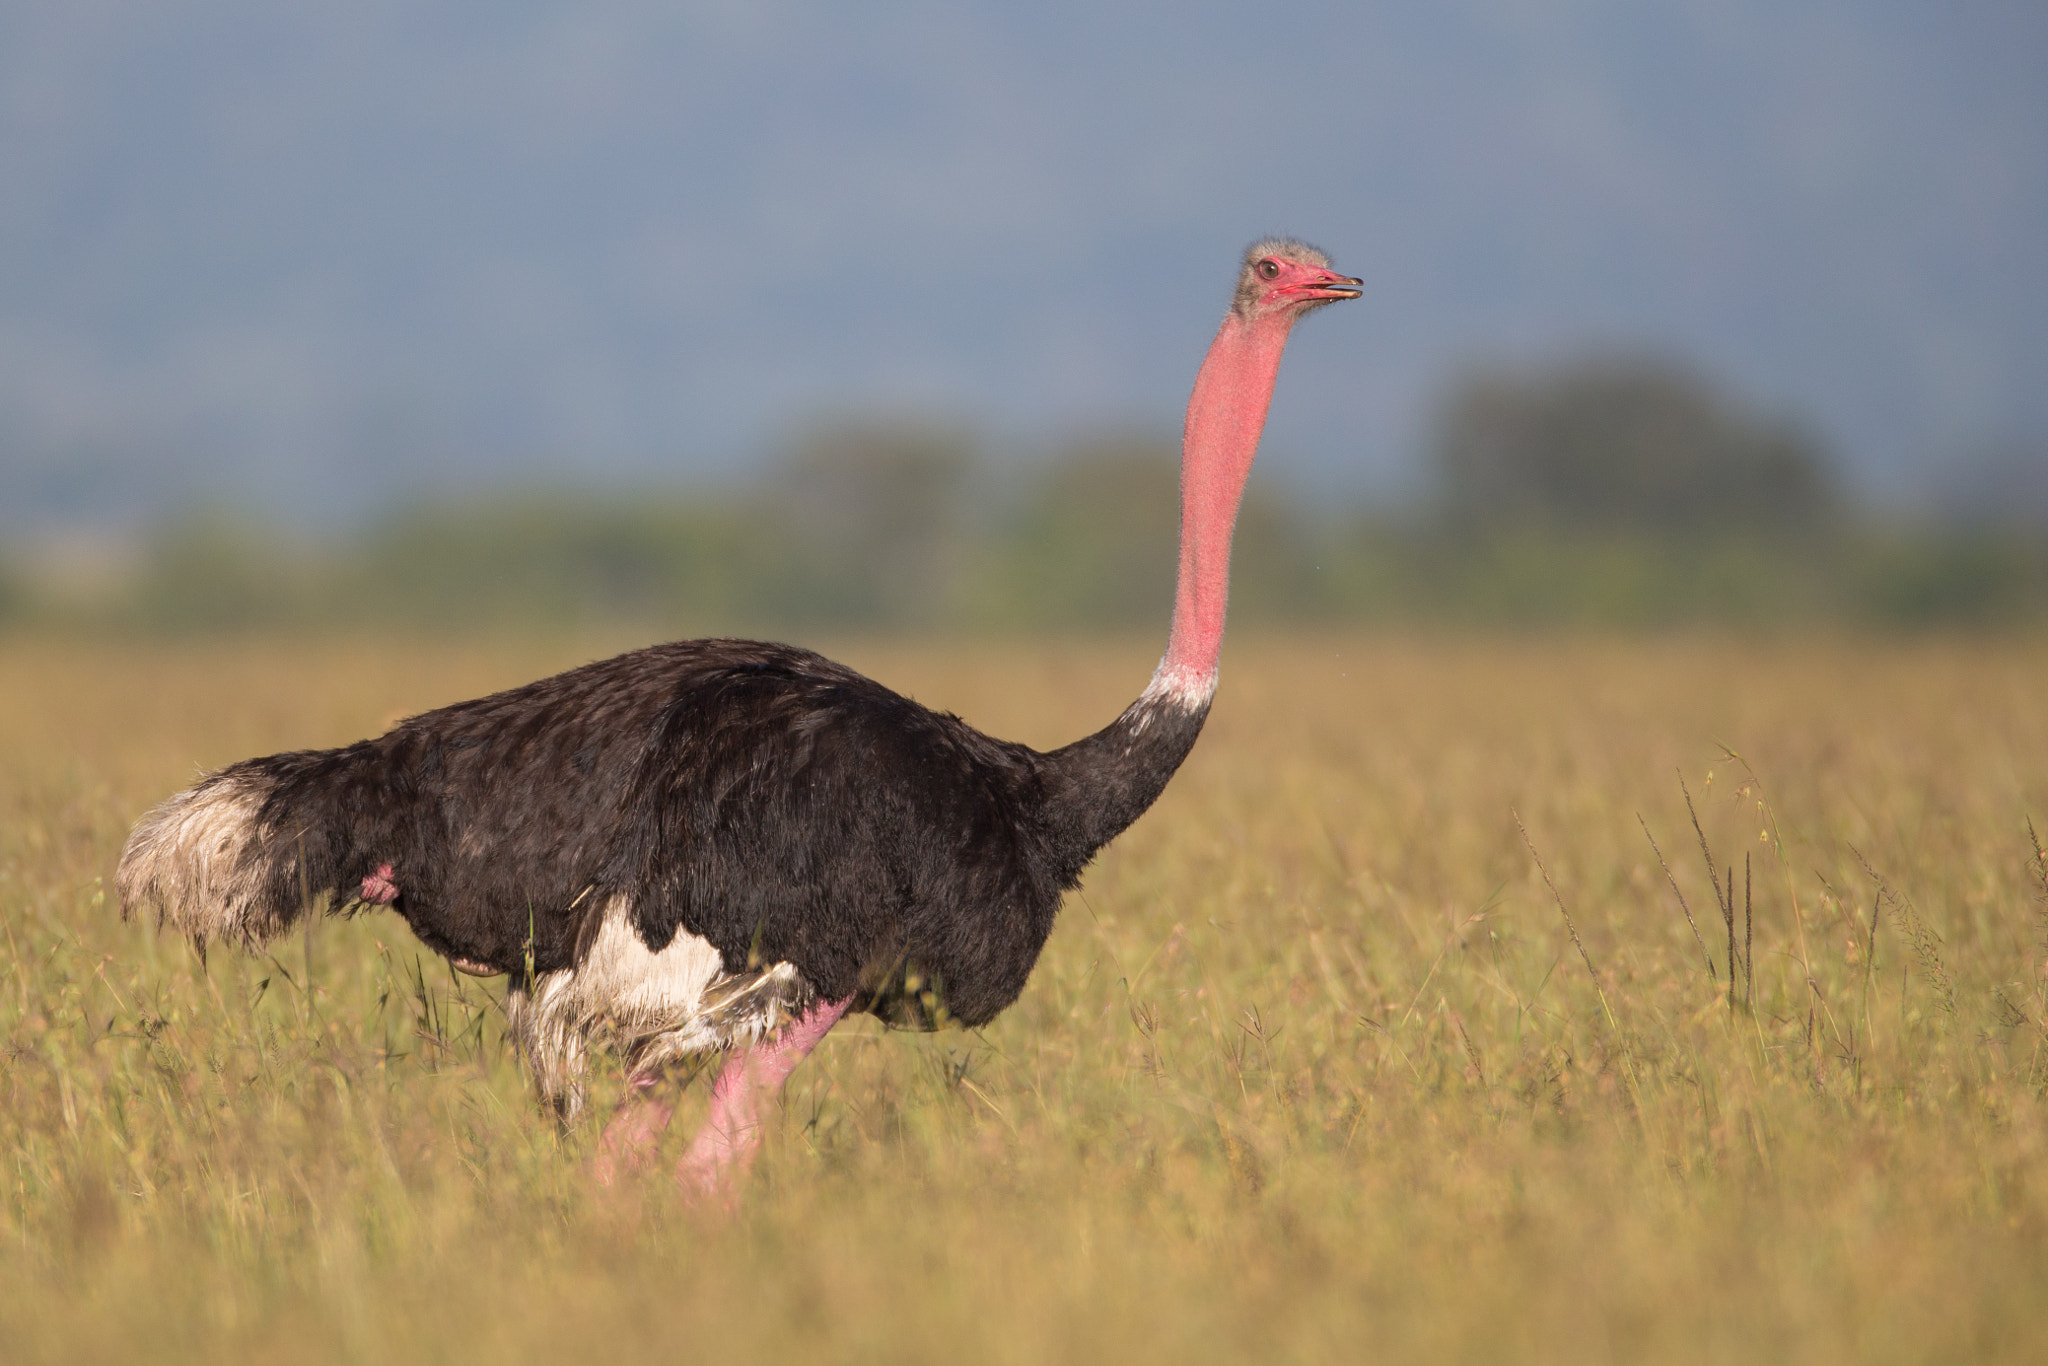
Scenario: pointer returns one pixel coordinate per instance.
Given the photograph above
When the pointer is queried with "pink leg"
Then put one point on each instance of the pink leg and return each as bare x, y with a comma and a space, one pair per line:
635, 1128
724, 1148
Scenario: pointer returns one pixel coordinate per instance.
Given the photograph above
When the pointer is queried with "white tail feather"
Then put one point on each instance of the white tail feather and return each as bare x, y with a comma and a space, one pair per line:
198, 859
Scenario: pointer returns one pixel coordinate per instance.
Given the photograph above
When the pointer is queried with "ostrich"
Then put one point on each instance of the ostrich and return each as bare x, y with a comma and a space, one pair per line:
725, 845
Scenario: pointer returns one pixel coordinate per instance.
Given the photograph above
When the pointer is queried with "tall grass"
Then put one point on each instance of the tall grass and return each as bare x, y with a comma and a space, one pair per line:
1311, 1070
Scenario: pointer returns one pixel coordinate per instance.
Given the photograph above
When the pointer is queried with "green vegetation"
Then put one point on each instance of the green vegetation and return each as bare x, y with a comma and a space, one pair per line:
1612, 493
1317, 1067
1090, 545
1623, 442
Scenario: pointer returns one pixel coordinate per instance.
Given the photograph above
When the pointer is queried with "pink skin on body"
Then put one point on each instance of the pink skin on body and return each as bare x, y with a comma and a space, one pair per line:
378, 887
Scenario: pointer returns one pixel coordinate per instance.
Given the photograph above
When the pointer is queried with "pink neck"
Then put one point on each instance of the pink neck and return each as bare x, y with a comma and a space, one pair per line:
1225, 416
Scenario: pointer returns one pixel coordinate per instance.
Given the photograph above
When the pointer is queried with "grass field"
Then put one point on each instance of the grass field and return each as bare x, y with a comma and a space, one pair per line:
1313, 1068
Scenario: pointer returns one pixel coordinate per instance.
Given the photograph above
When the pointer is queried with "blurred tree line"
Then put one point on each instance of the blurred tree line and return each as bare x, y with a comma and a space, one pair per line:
1618, 491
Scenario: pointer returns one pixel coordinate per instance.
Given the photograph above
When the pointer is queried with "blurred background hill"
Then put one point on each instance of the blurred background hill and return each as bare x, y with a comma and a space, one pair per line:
1601, 492
788, 315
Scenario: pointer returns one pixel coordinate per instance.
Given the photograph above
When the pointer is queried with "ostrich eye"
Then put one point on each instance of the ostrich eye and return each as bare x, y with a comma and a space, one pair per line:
1269, 270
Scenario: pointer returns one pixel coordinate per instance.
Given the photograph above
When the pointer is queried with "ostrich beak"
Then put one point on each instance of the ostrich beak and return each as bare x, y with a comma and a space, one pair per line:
1337, 287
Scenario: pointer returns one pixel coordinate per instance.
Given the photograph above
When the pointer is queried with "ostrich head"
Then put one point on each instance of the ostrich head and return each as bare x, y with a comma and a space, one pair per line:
1282, 275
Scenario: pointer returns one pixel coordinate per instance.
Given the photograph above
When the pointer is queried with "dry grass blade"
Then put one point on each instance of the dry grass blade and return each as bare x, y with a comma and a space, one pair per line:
1727, 900
1705, 957
1706, 851
2039, 868
1748, 936
1926, 943
1592, 973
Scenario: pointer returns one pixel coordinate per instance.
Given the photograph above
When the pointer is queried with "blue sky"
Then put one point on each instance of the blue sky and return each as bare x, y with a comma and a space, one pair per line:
314, 259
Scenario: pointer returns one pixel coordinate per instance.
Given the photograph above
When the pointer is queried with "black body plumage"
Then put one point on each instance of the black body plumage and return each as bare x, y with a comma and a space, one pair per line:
780, 806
